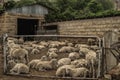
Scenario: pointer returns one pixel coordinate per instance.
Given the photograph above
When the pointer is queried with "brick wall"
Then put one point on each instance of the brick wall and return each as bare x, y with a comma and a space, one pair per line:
96, 26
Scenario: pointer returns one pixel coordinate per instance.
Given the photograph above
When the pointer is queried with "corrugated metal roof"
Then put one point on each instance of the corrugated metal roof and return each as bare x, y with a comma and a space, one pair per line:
30, 10
39, 9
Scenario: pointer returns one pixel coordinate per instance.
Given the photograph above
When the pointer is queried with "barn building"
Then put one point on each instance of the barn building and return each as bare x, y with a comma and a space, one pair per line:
25, 20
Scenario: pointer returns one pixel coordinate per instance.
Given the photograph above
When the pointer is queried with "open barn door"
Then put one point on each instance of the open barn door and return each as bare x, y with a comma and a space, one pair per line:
26, 26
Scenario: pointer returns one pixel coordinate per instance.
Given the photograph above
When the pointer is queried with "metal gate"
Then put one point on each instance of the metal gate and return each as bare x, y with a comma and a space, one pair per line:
111, 45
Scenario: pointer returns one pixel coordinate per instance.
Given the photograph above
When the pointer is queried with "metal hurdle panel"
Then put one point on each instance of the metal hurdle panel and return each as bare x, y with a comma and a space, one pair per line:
75, 38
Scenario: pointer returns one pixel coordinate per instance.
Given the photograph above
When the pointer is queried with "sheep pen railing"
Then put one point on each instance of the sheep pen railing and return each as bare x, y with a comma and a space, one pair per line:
69, 39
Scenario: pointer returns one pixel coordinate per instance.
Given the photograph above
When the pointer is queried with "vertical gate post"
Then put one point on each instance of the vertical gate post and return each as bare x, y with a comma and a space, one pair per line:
4, 53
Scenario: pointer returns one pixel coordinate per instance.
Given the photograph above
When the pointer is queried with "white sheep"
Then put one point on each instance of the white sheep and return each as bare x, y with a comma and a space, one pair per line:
10, 64
62, 43
81, 45
77, 45
80, 63
35, 51
83, 51
70, 44
46, 65
52, 55
20, 68
12, 39
91, 58
34, 62
20, 40
11, 49
28, 43
67, 49
53, 50
13, 45
39, 47
77, 72
94, 47
74, 56
64, 61
44, 58
53, 45
50, 42
28, 48
61, 71
44, 43
10, 43
19, 54
90, 41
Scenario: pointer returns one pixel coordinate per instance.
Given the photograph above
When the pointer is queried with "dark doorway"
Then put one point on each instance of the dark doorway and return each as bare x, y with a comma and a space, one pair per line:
27, 26
51, 29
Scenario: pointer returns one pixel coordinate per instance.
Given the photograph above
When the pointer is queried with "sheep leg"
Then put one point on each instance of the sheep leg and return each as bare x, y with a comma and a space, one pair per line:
84, 75
18, 71
90, 70
93, 70
26, 57
12, 71
33, 66
41, 69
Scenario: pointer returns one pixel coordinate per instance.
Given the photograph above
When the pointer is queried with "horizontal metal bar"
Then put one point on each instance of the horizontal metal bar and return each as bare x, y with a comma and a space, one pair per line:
5, 55
52, 77
86, 36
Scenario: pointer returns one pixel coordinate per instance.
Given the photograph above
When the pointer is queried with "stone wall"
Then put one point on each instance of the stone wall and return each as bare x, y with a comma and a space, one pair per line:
8, 24
96, 26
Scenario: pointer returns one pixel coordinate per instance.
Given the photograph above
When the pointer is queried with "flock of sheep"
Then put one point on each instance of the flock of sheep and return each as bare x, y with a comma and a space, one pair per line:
82, 59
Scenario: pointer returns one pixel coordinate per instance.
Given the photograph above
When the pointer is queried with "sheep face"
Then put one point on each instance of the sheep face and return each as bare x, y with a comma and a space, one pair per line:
11, 64
54, 63
44, 58
53, 50
35, 51
74, 56
53, 55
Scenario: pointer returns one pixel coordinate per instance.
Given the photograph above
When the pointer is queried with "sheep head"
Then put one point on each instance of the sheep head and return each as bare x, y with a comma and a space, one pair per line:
44, 58
11, 63
53, 62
